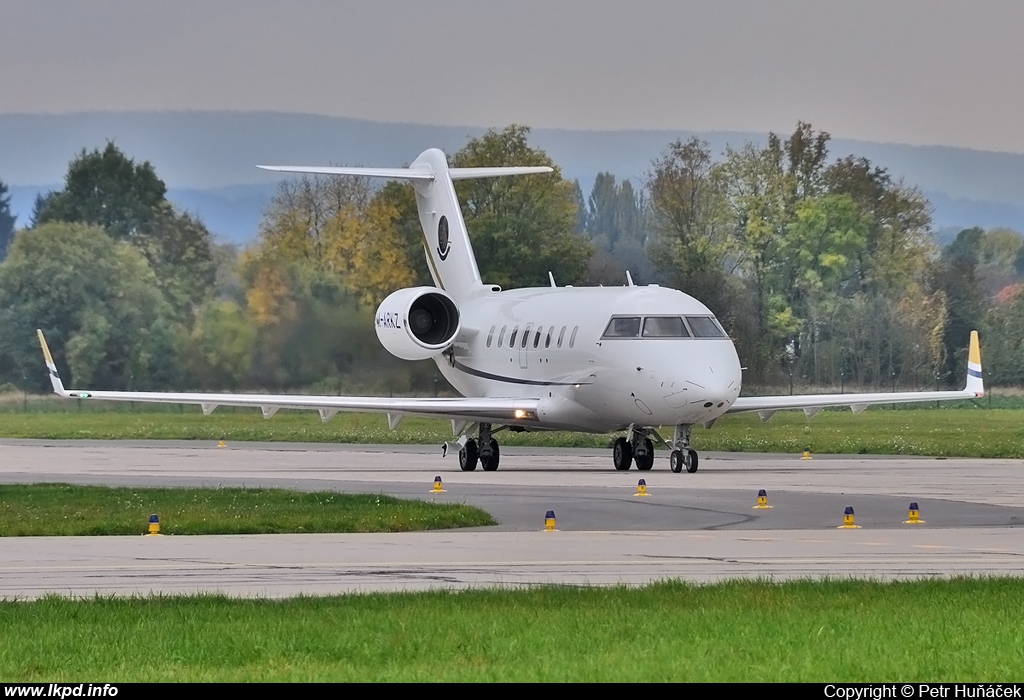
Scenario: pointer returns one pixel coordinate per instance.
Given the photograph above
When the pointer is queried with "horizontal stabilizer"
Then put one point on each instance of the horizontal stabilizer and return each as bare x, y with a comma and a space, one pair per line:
408, 173
471, 173
393, 173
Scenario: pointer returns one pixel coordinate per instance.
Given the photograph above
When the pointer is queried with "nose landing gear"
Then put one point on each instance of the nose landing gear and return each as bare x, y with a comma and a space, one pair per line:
682, 455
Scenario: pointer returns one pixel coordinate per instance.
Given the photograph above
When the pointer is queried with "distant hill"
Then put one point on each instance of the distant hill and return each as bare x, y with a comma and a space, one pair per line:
208, 158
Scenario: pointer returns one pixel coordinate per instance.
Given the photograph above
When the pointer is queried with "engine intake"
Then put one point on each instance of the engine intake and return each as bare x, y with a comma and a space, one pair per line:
417, 323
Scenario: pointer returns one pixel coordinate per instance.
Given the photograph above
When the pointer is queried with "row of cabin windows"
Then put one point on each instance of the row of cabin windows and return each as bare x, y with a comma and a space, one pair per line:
663, 327
524, 339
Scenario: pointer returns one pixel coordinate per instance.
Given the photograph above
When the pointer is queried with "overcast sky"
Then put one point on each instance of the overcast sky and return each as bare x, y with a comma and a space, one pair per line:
920, 72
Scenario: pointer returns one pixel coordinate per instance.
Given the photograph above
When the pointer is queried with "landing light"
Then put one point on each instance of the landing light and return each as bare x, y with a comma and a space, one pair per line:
523, 414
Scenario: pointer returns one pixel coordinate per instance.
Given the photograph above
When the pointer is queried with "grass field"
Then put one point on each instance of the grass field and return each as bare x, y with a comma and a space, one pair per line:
965, 430
964, 630
63, 509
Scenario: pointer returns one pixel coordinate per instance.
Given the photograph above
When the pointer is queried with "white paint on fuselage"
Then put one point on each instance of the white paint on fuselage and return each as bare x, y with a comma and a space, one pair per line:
597, 384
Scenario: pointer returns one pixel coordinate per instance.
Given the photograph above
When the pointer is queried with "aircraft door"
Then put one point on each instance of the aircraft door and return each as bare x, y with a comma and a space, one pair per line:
524, 347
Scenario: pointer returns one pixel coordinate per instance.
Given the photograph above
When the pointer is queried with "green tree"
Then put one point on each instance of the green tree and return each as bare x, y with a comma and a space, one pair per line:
521, 227
687, 219
97, 301
108, 189
6, 220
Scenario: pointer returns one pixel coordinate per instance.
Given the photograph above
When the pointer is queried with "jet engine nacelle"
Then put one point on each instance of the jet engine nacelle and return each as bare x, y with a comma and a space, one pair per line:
417, 323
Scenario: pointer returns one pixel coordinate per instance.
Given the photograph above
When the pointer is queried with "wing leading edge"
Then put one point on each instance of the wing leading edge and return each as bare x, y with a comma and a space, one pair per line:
766, 406
505, 411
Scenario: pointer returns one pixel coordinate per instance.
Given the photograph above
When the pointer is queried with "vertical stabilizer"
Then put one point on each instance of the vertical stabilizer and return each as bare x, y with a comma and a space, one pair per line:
445, 237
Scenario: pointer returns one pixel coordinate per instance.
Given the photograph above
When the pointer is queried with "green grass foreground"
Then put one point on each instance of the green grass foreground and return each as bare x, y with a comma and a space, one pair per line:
962, 431
63, 509
962, 630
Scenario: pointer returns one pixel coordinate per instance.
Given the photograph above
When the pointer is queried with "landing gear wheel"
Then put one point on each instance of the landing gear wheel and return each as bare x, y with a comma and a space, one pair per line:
491, 463
675, 461
645, 463
691, 463
468, 456
622, 454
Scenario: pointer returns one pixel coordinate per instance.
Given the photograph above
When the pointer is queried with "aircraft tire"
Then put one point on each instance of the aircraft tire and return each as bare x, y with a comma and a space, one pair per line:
468, 456
490, 464
622, 454
675, 461
691, 463
645, 463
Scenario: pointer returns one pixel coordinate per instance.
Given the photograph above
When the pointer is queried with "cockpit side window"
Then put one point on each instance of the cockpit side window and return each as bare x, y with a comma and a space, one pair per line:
664, 327
704, 327
623, 327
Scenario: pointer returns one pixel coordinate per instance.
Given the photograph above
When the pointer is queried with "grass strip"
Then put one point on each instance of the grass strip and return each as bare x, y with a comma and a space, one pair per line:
64, 509
951, 432
964, 630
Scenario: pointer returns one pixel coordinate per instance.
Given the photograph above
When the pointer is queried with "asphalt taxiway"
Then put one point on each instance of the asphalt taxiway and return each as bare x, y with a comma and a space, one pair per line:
700, 527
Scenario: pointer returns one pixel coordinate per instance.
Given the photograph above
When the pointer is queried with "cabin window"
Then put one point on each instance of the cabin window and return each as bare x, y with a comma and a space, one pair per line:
501, 335
623, 327
547, 341
526, 335
664, 327
536, 338
561, 334
512, 338
572, 338
490, 335
704, 327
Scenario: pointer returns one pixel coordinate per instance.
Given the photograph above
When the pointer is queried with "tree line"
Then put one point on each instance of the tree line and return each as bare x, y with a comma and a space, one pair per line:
824, 271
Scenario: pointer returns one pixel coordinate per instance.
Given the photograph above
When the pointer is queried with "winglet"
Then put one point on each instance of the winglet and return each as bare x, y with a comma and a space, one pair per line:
974, 382
58, 385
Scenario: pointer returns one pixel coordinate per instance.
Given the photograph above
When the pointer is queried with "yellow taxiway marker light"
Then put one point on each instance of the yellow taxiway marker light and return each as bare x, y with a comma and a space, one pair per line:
221, 443
762, 500
807, 453
914, 515
549, 521
438, 486
849, 520
641, 488
154, 525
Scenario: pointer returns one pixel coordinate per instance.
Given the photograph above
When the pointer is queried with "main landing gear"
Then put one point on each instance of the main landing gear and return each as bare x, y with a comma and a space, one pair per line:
639, 448
484, 451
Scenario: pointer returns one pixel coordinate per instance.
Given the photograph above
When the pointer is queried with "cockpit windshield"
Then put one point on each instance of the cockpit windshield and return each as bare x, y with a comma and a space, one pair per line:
704, 327
664, 327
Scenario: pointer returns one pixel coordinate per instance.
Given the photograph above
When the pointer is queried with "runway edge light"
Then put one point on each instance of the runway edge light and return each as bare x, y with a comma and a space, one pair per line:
221, 443
762, 500
154, 525
914, 515
641, 488
549, 521
438, 485
807, 453
849, 520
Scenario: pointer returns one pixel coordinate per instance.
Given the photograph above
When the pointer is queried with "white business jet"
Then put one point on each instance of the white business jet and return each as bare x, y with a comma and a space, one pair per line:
588, 359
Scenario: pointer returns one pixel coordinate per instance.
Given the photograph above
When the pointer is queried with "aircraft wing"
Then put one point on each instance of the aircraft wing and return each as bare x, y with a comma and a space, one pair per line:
766, 406
505, 411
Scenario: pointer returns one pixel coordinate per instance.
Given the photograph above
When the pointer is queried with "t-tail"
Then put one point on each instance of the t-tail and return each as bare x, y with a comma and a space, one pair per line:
445, 237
